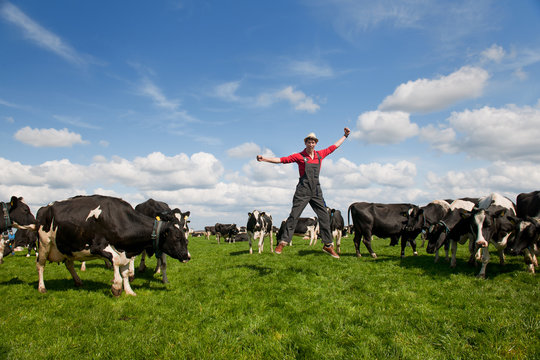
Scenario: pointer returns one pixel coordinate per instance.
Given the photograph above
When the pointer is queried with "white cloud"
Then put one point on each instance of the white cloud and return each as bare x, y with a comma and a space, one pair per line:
297, 98
9, 119
39, 35
495, 134
441, 138
425, 95
499, 133
494, 53
246, 150
48, 137
172, 106
379, 127
503, 177
227, 91
310, 69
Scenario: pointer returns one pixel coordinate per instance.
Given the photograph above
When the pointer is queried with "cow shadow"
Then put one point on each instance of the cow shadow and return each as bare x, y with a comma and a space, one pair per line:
241, 252
58, 285
442, 267
12, 281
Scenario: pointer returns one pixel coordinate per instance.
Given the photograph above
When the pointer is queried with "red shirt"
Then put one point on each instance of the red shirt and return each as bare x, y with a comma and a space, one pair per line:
299, 158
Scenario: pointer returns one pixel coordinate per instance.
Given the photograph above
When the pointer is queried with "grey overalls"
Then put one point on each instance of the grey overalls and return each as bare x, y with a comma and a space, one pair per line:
309, 191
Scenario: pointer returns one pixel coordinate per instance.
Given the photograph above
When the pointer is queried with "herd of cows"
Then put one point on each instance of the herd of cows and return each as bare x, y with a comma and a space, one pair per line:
89, 227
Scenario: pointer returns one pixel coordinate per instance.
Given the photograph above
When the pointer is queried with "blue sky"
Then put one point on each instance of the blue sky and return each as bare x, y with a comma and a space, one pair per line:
174, 99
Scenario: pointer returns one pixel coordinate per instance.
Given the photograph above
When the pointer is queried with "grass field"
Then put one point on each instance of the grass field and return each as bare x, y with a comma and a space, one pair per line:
303, 304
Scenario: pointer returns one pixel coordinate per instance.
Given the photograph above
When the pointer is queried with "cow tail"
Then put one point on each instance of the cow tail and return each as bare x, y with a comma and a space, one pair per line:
349, 216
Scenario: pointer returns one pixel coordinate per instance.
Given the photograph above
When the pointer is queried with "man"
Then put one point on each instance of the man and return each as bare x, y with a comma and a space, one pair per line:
308, 190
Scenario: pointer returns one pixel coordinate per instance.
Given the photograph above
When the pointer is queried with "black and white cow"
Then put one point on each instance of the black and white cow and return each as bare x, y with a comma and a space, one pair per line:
306, 227
494, 222
161, 211
527, 240
24, 239
15, 214
209, 230
258, 225
226, 230
337, 225
382, 220
421, 219
89, 227
452, 229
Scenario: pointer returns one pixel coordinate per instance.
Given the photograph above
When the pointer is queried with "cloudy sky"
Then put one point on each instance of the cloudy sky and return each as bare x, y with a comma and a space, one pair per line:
172, 100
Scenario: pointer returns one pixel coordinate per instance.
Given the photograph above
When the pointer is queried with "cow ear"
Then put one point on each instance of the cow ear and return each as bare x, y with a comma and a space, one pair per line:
14, 201
249, 214
263, 213
187, 214
464, 214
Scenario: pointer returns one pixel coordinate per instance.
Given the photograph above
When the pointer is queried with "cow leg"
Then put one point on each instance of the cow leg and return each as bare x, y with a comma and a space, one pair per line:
71, 268
217, 237
529, 260
403, 245
436, 256
261, 242
142, 264
413, 246
502, 259
164, 269
454, 250
356, 240
116, 288
2, 245
338, 242
368, 245
83, 266
124, 270
271, 242
44, 247
157, 270
485, 261
446, 251
131, 268
250, 237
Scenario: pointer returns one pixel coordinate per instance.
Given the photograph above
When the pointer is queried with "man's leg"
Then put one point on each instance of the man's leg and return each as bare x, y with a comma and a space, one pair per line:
318, 205
299, 204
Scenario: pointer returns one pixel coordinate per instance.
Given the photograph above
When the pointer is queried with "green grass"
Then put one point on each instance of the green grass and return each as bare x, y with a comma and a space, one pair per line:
303, 304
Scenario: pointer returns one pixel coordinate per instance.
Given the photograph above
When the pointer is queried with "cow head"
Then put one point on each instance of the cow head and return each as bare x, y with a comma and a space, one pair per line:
527, 235
258, 220
415, 219
438, 233
173, 242
16, 214
495, 224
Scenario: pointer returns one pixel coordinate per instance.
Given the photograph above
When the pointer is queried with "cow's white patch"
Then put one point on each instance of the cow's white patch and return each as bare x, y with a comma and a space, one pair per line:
95, 213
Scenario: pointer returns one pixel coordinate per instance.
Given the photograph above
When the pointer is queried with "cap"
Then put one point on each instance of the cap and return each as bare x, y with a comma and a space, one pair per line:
311, 135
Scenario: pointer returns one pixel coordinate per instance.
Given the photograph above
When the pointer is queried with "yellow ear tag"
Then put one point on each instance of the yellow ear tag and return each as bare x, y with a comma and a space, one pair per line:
185, 217
157, 218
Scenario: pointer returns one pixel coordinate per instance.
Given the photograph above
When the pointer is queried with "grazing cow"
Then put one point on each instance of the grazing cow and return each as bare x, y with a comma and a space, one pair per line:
306, 226
494, 221
382, 220
337, 225
160, 210
528, 230
452, 229
24, 239
198, 233
226, 230
258, 225
421, 219
89, 227
209, 230
16, 214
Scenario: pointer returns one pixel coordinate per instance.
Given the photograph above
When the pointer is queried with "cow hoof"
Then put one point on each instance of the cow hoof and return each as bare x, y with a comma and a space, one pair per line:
142, 269
42, 290
415, 253
165, 281
403, 256
250, 251
374, 255
78, 283
358, 255
131, 278
481, 276
116, 292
